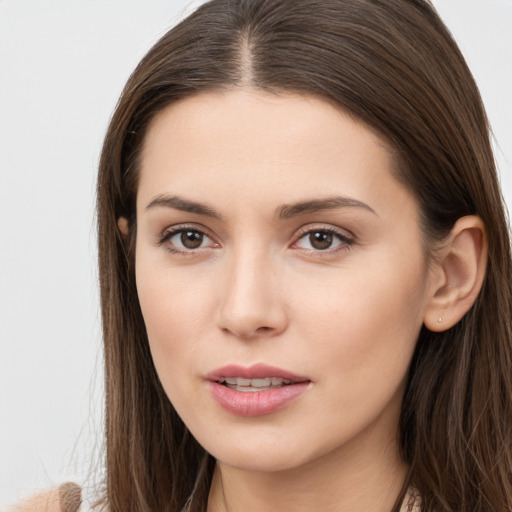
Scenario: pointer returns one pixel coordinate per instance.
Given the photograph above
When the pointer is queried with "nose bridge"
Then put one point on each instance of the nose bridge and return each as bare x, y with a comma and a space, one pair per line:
251, 303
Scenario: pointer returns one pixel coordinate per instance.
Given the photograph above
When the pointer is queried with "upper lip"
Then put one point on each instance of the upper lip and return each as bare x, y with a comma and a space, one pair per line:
256, 371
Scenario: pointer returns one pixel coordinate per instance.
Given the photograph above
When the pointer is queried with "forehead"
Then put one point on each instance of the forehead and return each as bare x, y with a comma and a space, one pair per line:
243, 142
257, 116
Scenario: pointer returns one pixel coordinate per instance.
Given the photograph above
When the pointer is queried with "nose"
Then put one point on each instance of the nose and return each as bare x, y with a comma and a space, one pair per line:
251, 303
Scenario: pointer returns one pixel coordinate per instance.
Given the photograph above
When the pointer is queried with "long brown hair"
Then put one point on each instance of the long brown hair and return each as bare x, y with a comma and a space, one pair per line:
393, 65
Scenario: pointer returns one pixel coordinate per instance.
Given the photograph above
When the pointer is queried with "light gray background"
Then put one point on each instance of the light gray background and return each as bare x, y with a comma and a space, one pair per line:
62, 66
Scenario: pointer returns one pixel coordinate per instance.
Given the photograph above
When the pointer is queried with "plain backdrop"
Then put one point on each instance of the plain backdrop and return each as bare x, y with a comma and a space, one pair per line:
63, 64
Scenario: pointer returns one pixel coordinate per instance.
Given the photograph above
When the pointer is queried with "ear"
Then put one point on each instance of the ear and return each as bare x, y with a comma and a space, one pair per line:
122, 224
457, 274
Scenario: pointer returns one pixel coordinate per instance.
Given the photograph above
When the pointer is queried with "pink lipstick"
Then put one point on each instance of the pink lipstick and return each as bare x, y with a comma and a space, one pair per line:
256, 390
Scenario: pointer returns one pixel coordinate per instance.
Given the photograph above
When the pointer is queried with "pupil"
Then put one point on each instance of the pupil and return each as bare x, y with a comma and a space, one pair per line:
320, 240
191, 239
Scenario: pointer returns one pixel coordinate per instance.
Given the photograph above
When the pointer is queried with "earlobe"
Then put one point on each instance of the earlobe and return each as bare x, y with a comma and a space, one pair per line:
460, 274
122, 224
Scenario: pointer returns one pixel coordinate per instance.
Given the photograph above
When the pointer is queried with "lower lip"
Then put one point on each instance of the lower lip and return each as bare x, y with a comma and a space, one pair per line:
255, 403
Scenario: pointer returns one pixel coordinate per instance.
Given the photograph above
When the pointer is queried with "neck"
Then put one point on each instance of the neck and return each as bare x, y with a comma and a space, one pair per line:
367, 480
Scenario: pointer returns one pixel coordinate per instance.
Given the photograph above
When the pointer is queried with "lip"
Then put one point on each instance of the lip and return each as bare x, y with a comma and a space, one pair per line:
255, 403
256, 371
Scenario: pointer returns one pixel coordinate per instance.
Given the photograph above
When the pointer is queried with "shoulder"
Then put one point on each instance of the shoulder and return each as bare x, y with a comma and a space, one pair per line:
65, 498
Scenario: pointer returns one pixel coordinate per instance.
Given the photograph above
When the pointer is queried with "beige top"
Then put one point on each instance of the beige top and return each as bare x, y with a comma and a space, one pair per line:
66, 498
412, 501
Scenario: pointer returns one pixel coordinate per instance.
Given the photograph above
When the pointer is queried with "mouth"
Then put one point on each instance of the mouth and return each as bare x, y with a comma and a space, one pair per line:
256, 390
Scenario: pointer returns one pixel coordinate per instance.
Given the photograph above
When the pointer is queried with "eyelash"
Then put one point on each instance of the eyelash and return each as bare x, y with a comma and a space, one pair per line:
345, 241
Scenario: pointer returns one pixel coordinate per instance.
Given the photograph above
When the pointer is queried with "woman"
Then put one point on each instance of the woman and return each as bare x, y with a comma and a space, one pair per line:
305, 268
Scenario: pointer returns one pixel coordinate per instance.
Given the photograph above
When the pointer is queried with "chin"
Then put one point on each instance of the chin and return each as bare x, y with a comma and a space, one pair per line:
258, 462
263, 451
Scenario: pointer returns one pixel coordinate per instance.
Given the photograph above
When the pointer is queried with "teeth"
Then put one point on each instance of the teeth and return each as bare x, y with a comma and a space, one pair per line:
241, 384
261, 383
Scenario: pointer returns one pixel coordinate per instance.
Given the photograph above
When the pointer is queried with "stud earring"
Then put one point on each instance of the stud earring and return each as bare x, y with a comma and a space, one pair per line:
440, 320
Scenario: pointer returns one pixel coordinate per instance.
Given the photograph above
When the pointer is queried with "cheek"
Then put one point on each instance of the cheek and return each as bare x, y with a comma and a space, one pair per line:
175, 306
365, 320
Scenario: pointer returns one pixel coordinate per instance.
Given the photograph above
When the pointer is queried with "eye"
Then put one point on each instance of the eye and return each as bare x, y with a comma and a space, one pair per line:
183, 240
189, 239
326, 240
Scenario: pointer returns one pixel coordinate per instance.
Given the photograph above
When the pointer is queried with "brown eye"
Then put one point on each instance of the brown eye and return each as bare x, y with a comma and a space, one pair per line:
186, 240
321, 240
191, 239
324, 240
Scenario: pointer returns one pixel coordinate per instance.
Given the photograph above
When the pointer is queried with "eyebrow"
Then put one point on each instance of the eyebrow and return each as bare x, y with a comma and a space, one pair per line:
284, 212
185, 205
288, 211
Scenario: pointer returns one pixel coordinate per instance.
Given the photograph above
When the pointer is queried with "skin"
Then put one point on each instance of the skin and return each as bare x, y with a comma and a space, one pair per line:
257, 291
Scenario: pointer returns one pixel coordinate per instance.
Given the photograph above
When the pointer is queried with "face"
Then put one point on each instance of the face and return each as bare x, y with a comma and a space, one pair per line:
281, 276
